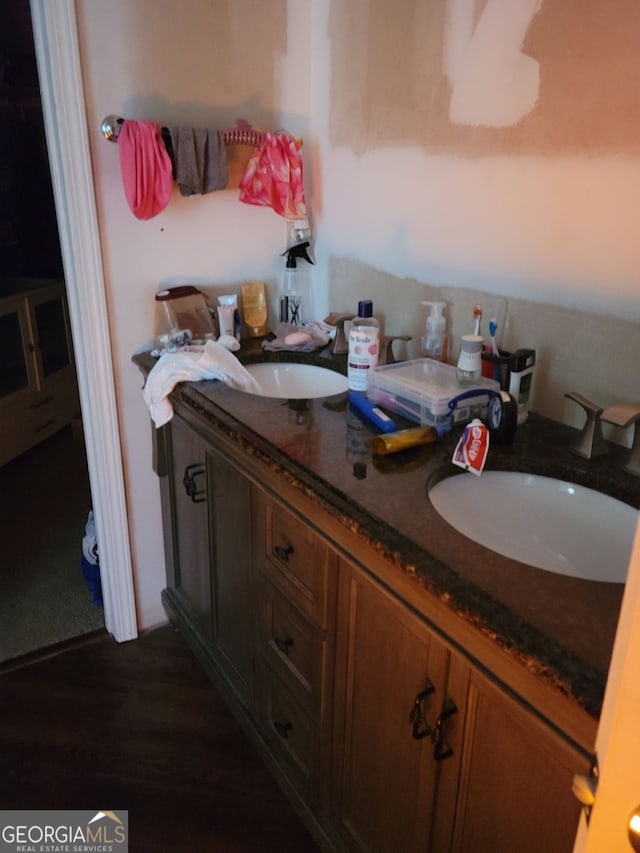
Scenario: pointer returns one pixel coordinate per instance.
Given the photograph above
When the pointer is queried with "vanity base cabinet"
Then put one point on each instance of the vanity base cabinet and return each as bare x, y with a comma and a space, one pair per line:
386, 780
208, 552
297, 573
515, 778
186, 521
232, 574
479, 771
384, 732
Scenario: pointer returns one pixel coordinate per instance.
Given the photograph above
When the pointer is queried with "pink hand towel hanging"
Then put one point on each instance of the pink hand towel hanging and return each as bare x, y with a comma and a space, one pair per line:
145, 167
273, 177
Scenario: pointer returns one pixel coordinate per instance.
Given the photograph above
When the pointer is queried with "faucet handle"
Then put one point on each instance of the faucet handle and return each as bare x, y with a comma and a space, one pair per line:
340, 344
387, 347
590, 444
623, 415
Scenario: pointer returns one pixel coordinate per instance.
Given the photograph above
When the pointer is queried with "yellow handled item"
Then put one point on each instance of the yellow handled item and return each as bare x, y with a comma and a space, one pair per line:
392, 442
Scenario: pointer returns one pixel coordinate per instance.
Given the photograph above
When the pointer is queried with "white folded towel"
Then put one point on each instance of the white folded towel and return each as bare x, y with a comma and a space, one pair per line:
214, 362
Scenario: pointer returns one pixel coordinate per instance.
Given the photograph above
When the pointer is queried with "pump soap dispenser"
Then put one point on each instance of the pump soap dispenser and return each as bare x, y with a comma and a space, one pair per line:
435, 342
290, 302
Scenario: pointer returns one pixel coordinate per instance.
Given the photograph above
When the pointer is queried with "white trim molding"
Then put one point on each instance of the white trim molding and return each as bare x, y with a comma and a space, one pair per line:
57, 52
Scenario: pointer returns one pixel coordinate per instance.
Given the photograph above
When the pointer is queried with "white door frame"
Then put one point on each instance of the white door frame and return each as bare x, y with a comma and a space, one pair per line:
58, 57
617, 742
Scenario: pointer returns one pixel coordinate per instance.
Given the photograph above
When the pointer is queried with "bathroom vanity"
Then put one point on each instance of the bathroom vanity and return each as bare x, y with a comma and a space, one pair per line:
409, 689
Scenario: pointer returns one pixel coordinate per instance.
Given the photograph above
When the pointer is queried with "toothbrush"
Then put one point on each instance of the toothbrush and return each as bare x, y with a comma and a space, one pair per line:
493, 328
477, 316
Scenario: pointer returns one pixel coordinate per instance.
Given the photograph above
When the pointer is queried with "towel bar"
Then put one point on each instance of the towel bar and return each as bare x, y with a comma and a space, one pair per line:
242, 134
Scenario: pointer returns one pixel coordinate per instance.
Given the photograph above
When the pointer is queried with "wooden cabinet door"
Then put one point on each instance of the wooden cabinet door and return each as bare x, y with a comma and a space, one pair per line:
233, 584
516, 773
385, 779
51, 331
188, 545
17, 353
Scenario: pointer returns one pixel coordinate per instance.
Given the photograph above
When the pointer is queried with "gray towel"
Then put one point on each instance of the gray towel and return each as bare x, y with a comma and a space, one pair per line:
200, 160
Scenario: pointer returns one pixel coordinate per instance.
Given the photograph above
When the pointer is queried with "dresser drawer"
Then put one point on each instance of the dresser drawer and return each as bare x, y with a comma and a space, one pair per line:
27, 424
290, 732
294, 649
298, 562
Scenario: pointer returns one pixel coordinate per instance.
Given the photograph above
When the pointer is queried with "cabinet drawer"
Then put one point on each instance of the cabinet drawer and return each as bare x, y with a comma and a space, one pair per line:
289, 730
294, 649
36, 418
298, 562
49, 411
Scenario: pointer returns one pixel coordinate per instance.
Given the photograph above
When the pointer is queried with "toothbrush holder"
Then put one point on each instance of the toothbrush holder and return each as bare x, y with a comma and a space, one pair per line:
497, 367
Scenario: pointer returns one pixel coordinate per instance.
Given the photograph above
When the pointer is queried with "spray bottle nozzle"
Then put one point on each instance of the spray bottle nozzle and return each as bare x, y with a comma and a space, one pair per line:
297, 251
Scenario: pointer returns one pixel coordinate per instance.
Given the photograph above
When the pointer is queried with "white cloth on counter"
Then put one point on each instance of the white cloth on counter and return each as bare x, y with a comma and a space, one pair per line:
214, 362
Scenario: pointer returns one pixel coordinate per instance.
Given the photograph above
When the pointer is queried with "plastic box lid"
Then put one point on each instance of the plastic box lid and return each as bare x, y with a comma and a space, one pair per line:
423, 388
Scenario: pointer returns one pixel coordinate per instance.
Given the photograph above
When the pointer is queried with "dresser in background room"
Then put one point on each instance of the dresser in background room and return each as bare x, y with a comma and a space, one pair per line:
38, 386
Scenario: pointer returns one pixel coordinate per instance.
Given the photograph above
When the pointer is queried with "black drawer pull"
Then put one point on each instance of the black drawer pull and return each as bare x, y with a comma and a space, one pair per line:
283, 553
283, 728
41, 403
45, 425
284, 645
417, 718
442, 748
189, 482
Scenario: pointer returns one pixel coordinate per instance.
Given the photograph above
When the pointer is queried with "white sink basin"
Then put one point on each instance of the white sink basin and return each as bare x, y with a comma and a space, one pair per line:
296, 381
540, 521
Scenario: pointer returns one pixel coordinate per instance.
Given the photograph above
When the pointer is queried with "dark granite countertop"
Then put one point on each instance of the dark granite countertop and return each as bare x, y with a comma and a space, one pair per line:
559, 627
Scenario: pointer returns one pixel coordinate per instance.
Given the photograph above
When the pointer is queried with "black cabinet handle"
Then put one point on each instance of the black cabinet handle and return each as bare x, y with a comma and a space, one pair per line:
417, 718
45, 425
441, 747
283, 553
283, 728
189, 482
283, 644
41, 403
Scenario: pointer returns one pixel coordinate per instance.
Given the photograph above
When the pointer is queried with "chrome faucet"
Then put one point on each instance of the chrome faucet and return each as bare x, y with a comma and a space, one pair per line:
386, 347
623, 415
340, 344
590, 443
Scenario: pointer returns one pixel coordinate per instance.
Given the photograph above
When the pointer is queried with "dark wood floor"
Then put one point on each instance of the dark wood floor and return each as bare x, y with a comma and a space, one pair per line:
138, 726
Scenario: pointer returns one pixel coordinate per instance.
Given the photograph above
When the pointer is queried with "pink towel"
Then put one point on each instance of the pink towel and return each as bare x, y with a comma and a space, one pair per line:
273, 176
145, 167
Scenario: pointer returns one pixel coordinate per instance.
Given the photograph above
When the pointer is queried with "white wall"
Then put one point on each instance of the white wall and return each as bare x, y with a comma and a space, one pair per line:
543, 222
451, 155
175, 63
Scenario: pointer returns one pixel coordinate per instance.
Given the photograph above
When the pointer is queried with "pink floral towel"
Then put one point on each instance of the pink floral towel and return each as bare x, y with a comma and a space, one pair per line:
273, 177
145, 167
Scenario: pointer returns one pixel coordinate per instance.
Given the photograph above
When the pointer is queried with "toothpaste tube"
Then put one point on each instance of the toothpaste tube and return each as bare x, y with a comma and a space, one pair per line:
471, 451
232, 322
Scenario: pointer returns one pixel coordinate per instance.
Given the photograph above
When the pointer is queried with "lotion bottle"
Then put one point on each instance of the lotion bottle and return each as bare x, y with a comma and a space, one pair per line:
434, 342
364, 346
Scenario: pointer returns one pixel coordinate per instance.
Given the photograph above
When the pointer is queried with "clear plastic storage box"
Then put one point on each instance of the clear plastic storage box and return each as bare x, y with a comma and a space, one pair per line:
427, 391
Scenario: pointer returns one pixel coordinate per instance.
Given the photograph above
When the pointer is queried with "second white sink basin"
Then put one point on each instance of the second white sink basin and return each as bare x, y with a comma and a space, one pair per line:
293, 381
543, 522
